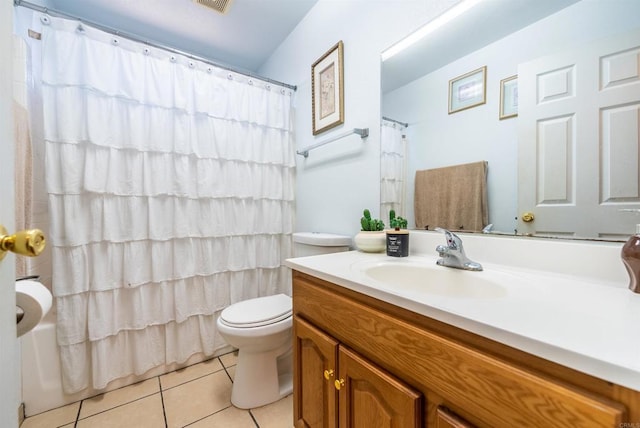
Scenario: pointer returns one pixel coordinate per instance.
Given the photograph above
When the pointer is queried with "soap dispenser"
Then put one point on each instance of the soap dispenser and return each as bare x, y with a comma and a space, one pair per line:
631, 257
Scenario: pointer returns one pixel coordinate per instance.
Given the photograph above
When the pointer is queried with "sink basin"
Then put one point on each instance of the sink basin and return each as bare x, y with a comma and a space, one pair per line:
418, 278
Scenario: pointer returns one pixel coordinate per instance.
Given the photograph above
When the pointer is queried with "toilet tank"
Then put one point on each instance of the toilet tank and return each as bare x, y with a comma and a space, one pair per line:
313, 243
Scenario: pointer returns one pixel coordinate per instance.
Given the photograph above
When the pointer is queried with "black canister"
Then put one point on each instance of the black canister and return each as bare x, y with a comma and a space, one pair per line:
398, 243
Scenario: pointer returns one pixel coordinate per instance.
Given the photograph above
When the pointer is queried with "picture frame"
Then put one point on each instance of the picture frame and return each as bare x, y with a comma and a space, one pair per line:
327, 90
468, 90
509, 97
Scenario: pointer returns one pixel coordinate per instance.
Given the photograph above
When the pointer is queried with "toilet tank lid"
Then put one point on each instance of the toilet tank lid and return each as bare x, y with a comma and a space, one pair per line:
321, 239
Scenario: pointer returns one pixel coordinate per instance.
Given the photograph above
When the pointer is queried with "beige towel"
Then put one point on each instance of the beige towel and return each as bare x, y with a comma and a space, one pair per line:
452, 197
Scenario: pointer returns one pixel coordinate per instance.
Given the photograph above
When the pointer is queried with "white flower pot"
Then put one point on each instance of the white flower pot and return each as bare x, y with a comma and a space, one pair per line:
371, 241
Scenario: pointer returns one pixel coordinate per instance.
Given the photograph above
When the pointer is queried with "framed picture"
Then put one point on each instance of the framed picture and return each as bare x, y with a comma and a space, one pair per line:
468, 90
509, 97
327, 90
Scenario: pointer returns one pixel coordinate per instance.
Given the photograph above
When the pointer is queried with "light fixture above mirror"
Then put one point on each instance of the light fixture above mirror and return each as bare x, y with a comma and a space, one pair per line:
429, 28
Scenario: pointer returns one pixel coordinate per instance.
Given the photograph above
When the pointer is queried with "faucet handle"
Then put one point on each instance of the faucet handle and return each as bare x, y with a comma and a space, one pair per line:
453, 240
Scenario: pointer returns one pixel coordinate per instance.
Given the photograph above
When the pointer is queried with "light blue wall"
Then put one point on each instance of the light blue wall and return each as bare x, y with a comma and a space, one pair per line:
336, 182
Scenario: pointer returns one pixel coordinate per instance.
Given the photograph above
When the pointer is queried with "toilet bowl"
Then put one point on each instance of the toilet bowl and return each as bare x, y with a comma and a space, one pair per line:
261, 329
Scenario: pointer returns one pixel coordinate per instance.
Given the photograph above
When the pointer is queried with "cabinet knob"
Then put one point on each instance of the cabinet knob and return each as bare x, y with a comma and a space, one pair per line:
528, 217
328, 374
339, 383
26, 243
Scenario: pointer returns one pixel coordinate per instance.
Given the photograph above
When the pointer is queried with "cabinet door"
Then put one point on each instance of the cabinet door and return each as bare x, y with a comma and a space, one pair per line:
315, 365
372, 398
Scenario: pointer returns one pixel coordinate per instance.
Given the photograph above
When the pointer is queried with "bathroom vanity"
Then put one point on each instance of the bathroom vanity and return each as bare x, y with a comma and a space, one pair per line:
366, 356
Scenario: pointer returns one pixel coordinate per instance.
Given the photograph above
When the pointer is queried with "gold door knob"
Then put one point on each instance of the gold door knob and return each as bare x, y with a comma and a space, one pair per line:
328, 374
528, 217
338, 384
25, 243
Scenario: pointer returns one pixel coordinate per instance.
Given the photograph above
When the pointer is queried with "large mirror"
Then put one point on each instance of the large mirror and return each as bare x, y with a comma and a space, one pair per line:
504, 36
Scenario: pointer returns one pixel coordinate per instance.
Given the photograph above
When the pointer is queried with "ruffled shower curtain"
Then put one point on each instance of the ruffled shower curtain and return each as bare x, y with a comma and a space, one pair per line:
23, 149
171, 193
392, 169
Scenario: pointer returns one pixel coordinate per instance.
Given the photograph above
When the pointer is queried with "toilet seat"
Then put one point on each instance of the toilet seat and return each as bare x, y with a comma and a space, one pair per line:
257, 312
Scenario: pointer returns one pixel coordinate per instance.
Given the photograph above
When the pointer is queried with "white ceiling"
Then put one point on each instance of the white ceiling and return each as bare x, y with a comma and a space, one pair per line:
244, 38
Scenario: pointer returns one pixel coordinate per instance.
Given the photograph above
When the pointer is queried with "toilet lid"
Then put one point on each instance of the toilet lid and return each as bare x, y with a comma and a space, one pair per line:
257, 312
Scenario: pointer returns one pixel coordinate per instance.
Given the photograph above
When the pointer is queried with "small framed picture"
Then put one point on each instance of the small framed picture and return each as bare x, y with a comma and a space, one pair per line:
509, 97
468, 90
327, 90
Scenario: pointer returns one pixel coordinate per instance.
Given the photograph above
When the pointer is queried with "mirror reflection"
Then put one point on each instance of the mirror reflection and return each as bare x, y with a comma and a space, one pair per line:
564, 154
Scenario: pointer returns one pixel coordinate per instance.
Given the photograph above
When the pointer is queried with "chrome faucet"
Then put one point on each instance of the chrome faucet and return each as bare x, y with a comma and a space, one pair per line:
452, 254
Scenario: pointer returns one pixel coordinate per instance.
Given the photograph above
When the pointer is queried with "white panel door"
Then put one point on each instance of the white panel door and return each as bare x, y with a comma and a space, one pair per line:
578, 133
9, 368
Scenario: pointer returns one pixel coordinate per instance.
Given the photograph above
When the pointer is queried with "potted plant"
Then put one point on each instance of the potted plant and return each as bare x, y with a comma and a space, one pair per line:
397, 236
396, 223
371, 238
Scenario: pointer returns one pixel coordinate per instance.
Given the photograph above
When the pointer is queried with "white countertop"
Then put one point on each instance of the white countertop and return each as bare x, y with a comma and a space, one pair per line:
590, 325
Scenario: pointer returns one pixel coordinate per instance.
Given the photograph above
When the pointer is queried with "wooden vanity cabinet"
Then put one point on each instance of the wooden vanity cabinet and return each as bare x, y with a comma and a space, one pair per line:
445, 376
335, 387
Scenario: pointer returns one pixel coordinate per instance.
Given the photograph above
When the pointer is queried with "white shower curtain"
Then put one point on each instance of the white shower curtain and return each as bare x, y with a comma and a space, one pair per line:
23, 149
171, 192
392, 169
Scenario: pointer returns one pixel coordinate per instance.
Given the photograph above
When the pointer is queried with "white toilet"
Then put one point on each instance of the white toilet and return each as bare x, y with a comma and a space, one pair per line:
261, 330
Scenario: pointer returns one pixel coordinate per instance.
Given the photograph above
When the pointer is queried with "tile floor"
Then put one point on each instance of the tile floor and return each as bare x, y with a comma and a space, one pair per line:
197, 396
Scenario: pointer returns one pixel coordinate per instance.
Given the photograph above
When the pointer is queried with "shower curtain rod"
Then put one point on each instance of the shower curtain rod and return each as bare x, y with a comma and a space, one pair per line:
135, 38
406, 125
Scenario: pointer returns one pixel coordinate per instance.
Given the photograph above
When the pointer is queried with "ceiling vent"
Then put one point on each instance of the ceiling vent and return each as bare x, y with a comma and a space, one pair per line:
221, 6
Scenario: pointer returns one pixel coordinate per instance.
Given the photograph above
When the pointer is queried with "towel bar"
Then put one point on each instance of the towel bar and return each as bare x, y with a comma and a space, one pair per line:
362, 132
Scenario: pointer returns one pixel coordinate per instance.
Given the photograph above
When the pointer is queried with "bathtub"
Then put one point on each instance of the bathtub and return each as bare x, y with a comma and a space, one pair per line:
42, 375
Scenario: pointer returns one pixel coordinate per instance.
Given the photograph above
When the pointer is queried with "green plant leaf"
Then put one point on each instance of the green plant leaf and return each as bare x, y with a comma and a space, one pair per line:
364, 223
